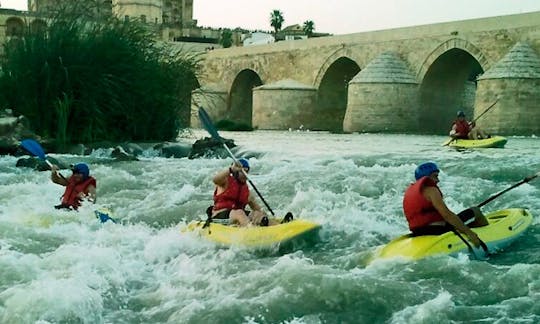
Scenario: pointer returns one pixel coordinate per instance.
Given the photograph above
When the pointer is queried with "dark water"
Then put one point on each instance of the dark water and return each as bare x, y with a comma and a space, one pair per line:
62, 268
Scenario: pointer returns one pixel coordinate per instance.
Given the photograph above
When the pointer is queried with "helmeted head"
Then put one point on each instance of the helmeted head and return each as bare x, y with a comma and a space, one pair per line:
425, 170
239, 175
460, 113
82, 169
245, 164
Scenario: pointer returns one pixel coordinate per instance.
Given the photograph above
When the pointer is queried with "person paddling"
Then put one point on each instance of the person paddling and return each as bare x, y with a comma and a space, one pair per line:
427, 213
80, 185
462, 129
232, 195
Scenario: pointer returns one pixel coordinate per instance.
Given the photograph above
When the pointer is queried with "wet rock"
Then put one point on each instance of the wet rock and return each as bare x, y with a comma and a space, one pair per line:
209, 147
121, 155
40, 165
133, 149
176, 150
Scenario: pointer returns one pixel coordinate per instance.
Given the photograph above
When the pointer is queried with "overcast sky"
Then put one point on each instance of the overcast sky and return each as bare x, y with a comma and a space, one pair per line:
343, 16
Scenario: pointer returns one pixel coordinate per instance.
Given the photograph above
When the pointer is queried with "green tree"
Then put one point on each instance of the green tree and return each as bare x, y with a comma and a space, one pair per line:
276, 21
309, 27
86, 80
226, 38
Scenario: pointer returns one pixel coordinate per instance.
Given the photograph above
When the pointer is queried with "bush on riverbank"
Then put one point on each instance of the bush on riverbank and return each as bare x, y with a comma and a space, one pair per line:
85, 79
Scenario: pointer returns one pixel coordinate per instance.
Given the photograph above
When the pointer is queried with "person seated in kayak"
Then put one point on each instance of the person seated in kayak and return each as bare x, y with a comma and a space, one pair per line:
427, 213
80, 185
462, 129
232, 195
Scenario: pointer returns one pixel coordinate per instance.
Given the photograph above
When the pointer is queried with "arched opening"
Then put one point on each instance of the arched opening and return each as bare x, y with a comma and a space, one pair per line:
38, 26
14, 27
449, 85
240, 103
332, 95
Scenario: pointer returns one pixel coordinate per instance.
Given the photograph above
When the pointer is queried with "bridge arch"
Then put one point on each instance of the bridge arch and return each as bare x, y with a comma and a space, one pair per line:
332, 83
448, 83
448, 45
240, 99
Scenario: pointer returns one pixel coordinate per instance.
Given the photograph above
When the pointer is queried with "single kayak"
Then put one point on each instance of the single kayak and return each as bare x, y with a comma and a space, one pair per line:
102, 214
495, 142
255, 236
504, 227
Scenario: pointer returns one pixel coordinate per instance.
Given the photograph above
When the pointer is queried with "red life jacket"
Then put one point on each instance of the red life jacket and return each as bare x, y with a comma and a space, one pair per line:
70, 196
236, 196
462, 127
418, 210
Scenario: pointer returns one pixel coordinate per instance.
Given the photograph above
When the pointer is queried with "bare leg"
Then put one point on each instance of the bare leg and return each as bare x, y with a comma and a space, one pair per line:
256, 216
239, 217
473, 134
481, 133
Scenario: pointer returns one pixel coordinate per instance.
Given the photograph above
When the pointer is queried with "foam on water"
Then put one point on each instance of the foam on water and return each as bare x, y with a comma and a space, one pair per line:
144, 269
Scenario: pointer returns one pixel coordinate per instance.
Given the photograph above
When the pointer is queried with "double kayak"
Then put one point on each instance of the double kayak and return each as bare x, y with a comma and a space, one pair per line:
258, 237
504, 227
495, 142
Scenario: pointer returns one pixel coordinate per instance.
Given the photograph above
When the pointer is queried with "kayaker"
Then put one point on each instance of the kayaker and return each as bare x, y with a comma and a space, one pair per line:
463, 129
80, 185
232, 195
426, 212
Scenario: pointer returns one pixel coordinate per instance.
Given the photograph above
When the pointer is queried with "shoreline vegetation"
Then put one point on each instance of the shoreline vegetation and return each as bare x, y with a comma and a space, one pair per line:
83, 79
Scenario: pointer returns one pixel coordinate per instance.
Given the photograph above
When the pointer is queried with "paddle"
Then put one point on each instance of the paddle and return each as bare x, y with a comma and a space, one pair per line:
35, 149
472, 122
469, 247
485, 111
527, 179
209, 126
482, 244
103, 215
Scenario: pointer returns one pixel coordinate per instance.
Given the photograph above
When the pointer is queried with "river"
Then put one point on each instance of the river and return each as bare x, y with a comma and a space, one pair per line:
59, 267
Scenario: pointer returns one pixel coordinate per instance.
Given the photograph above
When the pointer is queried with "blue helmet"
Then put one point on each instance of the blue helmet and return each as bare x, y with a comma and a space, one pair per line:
460, 113
244, 163
81, 168
425, 169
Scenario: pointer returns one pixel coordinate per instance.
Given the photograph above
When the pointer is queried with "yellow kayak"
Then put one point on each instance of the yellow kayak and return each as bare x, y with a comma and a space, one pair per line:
504, 227
495, 141
254, 236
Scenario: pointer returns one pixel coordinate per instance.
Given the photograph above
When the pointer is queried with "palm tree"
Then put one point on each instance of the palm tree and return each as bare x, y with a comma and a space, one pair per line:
276, 20
226, 38
309, 27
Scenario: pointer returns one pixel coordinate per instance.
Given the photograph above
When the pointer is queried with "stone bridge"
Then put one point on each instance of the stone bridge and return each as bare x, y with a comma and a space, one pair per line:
406, 80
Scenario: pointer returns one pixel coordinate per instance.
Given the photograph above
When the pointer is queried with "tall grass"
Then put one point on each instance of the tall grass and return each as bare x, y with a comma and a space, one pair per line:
88, 79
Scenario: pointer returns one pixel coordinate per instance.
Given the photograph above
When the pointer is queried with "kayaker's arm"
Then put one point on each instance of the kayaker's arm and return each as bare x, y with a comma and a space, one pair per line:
433, 195
253, 204
91, 195
56, 178
453, 132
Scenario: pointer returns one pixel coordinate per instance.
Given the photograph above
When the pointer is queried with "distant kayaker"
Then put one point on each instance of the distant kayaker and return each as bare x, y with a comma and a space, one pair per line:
463, 129
80, 185
427, 213
232, 195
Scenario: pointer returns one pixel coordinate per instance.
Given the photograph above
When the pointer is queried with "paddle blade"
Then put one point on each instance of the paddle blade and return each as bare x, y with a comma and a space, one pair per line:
208, 125
33, 147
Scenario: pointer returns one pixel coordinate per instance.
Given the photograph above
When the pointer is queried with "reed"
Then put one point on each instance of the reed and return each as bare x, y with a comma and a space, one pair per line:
87, 79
